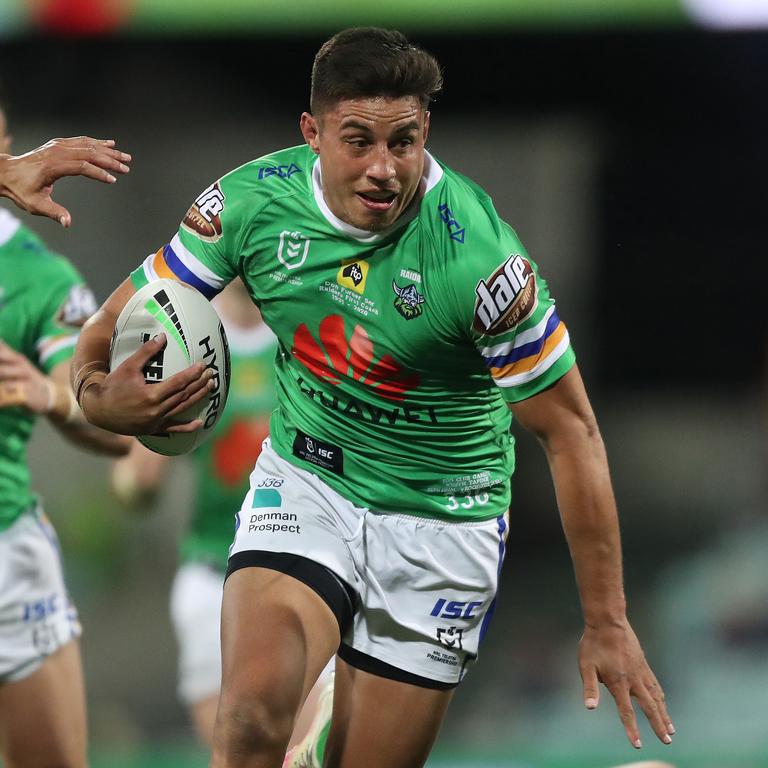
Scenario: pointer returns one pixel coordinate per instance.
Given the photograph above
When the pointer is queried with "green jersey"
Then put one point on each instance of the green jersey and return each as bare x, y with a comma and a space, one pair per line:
399, 350
224, 463
43, 303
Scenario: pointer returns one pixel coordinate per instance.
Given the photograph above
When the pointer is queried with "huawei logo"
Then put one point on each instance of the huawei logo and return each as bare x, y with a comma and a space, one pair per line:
335, 357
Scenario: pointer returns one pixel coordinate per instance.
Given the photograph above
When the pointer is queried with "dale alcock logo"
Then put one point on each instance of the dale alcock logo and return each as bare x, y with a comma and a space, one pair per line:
292, 249
336, 357
450, 637
506, 298
203, 218
409, 301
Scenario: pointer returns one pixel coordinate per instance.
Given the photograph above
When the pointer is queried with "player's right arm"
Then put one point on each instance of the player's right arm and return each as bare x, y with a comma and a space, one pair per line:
121, 401
205, 254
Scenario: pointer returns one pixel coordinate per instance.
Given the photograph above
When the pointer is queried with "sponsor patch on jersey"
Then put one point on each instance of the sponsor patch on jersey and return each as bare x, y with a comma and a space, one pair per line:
506, 298
336, 357
409, 301
281, 171
455, 230
79, 305
318, 452
292, 249
353, 274
203, 219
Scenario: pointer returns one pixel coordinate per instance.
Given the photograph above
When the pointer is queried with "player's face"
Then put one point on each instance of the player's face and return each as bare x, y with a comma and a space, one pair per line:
371, 155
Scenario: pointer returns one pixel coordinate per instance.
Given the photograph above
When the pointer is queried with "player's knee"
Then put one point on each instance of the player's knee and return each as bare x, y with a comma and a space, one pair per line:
253, 724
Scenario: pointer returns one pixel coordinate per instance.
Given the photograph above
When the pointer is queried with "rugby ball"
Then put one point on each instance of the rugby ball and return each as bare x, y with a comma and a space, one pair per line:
194, 334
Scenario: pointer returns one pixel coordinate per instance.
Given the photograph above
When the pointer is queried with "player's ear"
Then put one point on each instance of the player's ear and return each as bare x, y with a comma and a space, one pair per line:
426, 125
310, 130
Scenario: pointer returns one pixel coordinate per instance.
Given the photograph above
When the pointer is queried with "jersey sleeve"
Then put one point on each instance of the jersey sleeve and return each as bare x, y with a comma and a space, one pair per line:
207, 249
506, 308
67, 305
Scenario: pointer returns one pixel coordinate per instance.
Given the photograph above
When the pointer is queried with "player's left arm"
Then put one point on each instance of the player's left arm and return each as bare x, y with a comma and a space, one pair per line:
561, 417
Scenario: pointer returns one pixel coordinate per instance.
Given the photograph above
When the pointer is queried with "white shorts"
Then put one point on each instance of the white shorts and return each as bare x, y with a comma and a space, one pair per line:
420, 591
196, 615
36, 615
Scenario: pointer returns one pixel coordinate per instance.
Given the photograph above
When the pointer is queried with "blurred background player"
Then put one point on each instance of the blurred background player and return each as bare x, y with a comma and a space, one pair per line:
222, 468
43, 303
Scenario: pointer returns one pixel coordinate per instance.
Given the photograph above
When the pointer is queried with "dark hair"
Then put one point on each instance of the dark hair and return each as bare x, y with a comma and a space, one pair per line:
369, 61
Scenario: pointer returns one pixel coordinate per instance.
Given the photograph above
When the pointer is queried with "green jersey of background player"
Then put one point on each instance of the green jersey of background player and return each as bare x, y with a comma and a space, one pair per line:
409, 319
43, 304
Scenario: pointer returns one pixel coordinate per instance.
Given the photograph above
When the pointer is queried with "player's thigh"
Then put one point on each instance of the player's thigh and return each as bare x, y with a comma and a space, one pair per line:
42, 716
379, 722
277, 635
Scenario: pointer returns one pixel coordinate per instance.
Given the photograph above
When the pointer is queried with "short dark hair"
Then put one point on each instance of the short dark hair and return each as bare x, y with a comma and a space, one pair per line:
369, 61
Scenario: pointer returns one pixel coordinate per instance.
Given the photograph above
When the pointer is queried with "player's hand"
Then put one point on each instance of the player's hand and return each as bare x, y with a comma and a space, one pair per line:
124, 403
28, 179
612, 656
23, 385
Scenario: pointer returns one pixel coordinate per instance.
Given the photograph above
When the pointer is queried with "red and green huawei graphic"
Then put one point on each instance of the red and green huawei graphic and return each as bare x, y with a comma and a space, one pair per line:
333, 356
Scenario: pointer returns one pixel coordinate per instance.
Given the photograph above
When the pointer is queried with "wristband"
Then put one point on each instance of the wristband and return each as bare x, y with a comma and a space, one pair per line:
85, 376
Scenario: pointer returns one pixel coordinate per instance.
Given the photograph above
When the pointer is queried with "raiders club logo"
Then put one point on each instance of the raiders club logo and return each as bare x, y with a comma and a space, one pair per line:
506, 298
202, 219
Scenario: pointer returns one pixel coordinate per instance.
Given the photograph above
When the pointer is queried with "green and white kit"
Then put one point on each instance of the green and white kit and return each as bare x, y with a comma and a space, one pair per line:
43, 303
400, 350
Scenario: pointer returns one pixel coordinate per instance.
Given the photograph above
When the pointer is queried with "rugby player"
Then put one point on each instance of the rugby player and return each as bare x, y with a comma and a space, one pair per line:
221, 469
412, 326
43, 304
28, 179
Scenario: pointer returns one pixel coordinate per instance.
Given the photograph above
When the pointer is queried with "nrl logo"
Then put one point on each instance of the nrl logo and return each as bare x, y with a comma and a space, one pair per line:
202, 219
450, 637
409, 300
293, 249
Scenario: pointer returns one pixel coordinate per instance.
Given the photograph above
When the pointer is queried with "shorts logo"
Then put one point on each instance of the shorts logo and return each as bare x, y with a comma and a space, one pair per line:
456, 231
409, 300
455, 609
281, 171
507, 298
353, 275
450, 637
78, 307
292, 249
318, 452
202, 219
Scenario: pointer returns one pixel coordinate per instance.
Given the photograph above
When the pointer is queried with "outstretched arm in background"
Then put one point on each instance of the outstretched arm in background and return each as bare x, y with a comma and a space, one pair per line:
28, 179
23, 385
561, 417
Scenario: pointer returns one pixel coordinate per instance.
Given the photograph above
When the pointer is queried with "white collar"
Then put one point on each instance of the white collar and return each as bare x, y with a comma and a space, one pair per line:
432, 174
9, 224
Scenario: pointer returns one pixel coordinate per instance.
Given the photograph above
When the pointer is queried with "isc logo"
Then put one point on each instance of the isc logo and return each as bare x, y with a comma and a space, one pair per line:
454, 609
507, 298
